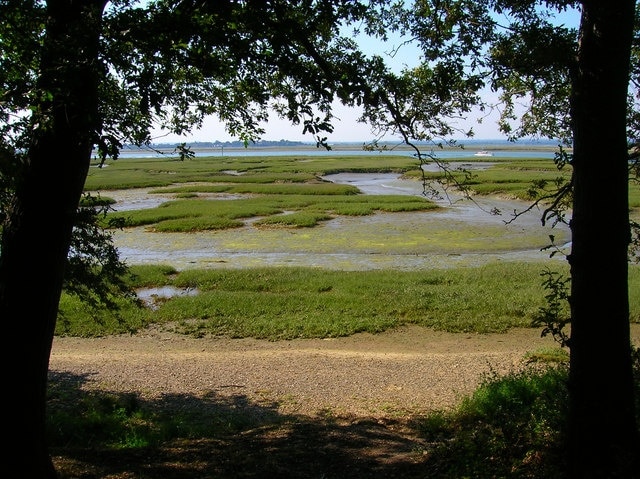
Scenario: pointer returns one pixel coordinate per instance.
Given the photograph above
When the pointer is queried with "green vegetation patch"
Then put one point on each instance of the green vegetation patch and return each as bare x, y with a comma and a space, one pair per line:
286, 303
511, 426
78, 418
326, 188
524, 179
197, 214
126, 173
191, 225
303, 219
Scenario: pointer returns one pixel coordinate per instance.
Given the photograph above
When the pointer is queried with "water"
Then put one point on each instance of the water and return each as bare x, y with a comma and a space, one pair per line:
152, 297
335, 245
498, 148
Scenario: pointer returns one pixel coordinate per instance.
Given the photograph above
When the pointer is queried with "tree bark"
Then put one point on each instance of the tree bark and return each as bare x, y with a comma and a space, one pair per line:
37, 232
603, 434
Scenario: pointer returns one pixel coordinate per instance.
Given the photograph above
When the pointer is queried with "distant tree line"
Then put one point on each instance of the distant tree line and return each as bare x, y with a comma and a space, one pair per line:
228, 144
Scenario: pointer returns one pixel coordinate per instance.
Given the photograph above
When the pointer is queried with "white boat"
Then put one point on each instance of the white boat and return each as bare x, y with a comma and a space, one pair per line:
483, 153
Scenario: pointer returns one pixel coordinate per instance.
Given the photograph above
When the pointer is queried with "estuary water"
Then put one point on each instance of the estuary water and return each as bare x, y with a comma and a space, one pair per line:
496, 148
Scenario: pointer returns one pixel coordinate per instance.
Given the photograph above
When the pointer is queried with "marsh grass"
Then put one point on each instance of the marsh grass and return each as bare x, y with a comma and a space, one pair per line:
286, 303
279, 186
507, 177
198, 214
288, 192
267, 186
126, 173
268, 189
301, 219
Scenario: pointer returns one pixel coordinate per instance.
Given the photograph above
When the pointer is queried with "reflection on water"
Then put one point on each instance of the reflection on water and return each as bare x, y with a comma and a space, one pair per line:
151, 297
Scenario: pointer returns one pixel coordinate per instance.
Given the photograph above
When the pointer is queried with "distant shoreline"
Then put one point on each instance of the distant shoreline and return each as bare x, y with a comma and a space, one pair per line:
283, 145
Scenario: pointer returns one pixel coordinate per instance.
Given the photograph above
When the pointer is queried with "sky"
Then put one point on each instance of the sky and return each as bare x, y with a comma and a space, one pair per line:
346, 126
346, 129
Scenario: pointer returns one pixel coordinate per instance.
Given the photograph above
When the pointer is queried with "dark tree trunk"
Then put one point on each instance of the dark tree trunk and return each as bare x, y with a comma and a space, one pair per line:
603, 437
36, 235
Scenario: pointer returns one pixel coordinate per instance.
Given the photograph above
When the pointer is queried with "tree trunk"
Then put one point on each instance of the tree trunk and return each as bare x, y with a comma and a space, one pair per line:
603, 435
36, 235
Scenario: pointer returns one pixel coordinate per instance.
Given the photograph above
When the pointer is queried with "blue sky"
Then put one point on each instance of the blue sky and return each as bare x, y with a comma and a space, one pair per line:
346, 126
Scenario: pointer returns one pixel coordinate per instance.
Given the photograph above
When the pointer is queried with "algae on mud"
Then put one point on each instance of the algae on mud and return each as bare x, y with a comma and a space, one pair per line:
461, 232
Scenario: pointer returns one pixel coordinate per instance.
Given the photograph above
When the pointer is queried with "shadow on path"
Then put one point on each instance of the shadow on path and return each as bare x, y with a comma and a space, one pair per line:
223, 437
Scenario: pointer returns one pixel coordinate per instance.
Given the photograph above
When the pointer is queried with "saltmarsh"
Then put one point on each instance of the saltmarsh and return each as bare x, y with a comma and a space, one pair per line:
286, 303
283, 204
283, 195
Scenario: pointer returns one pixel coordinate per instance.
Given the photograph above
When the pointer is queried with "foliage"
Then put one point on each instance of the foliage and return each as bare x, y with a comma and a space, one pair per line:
511, 426
95, 275
260, 57
554, 316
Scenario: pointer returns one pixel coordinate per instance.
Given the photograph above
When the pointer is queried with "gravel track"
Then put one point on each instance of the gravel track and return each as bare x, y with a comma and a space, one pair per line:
412, 369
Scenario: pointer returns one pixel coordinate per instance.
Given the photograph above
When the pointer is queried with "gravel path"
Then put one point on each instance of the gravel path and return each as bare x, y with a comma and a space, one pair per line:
409, 370
340, 408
